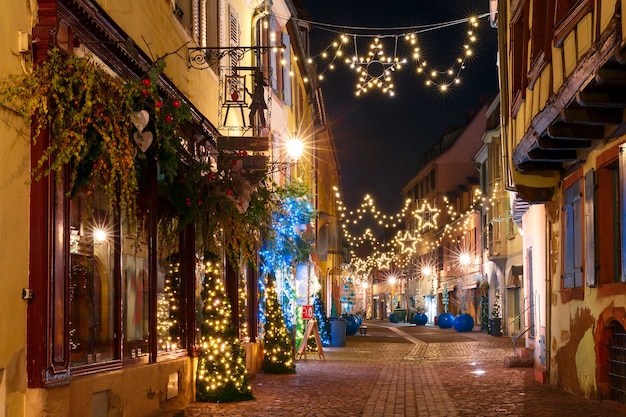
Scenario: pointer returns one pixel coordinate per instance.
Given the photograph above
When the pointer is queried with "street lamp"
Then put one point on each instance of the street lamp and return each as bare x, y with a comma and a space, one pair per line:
295, 147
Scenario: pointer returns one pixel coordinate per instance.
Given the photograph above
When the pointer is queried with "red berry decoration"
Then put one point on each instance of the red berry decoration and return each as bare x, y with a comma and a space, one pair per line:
211, 176
146, 82
229, 192
169, 118
158, 104
176, 103
145, 93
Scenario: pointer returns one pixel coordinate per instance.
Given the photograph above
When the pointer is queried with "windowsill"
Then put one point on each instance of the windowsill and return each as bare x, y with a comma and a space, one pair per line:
569, 294
614, 288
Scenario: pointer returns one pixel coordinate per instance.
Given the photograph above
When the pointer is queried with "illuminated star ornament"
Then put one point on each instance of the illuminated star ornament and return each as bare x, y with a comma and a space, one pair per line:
375, 67
407, 243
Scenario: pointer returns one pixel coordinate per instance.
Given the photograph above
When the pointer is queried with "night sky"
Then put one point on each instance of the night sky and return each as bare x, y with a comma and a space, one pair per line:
380, 139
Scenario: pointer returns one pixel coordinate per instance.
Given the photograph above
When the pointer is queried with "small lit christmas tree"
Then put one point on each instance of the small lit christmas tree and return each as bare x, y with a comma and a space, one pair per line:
277, 345
221, 375
497, 302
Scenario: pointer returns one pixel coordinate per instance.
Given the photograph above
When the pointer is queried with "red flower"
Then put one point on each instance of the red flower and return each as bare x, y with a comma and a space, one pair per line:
169, 118
146, 82
176, 103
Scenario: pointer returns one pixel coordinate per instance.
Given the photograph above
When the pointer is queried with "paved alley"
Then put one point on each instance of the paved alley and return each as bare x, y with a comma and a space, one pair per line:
401, 370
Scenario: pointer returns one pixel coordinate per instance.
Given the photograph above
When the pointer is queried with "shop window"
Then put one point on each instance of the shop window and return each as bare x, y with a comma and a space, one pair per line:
572, 235
170, 320
92, 292
135, 287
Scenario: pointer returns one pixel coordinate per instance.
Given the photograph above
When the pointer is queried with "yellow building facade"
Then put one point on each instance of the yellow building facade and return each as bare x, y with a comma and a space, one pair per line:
123, 366
561, 72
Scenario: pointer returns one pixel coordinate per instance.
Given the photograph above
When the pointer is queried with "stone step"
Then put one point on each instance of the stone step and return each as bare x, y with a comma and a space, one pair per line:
167, 413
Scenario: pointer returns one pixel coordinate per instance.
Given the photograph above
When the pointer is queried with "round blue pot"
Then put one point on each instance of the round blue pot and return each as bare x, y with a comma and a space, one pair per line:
445, 320
420, 319
352, 324
464, 323
392, 318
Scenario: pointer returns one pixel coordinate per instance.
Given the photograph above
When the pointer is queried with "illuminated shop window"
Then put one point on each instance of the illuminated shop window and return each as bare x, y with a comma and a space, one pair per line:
92, 293
135, 288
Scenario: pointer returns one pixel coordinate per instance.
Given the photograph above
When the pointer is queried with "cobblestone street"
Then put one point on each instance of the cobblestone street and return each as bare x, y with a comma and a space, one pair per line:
405, 370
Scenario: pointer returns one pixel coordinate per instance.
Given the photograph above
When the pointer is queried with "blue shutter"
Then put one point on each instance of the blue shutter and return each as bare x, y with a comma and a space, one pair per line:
590, 226
568, 246
578, 233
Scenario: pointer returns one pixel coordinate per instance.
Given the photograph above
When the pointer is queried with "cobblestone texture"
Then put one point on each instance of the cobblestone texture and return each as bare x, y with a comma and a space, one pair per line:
401, 370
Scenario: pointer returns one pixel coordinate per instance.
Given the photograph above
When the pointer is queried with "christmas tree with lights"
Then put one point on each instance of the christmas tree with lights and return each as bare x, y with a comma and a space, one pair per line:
221, 375
278, 355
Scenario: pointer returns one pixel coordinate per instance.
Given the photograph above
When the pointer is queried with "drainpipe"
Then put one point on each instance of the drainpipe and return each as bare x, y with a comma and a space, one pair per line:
259, 13
548, 298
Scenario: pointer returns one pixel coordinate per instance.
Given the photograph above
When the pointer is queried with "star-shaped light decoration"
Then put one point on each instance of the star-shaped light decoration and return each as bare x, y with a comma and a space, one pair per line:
407, 242
375, 69
384, 261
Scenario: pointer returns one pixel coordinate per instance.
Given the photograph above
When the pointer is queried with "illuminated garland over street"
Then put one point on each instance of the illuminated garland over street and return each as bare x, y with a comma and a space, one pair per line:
375, 54
404, 244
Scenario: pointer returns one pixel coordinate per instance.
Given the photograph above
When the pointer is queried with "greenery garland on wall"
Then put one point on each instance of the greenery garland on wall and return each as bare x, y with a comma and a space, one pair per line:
105, 128
94, 124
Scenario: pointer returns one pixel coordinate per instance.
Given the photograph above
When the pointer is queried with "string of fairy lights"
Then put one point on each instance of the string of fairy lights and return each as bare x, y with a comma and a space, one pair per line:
425, 215
375, 66
375, 55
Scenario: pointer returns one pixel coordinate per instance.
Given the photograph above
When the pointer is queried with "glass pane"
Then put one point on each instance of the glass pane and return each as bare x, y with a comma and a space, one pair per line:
135, 286
92, 297
169, 302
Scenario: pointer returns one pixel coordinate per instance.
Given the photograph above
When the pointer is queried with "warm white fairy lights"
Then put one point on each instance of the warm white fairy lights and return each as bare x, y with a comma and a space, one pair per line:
420, 216
364, 51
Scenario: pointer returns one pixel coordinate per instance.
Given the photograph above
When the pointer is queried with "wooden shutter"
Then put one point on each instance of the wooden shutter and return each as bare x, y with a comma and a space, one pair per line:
572, 237
590, 225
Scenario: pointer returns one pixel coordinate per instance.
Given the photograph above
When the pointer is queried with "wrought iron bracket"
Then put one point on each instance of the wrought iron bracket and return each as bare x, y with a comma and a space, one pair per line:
203, 57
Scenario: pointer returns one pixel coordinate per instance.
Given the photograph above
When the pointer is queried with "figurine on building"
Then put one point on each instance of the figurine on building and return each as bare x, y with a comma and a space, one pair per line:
258, 99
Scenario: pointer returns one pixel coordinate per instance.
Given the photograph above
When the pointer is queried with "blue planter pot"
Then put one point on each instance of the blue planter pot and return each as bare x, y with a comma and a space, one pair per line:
464, 323
392, 318
445, 320
352, 324
420, 319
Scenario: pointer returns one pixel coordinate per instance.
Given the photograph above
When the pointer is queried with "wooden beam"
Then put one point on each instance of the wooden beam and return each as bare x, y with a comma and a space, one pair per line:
548, 143
592, 116
243, 143
575, 131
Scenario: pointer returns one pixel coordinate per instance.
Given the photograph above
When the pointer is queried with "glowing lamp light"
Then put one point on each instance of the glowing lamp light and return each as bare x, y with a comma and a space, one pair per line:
392, 280
295, 147
100, 235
